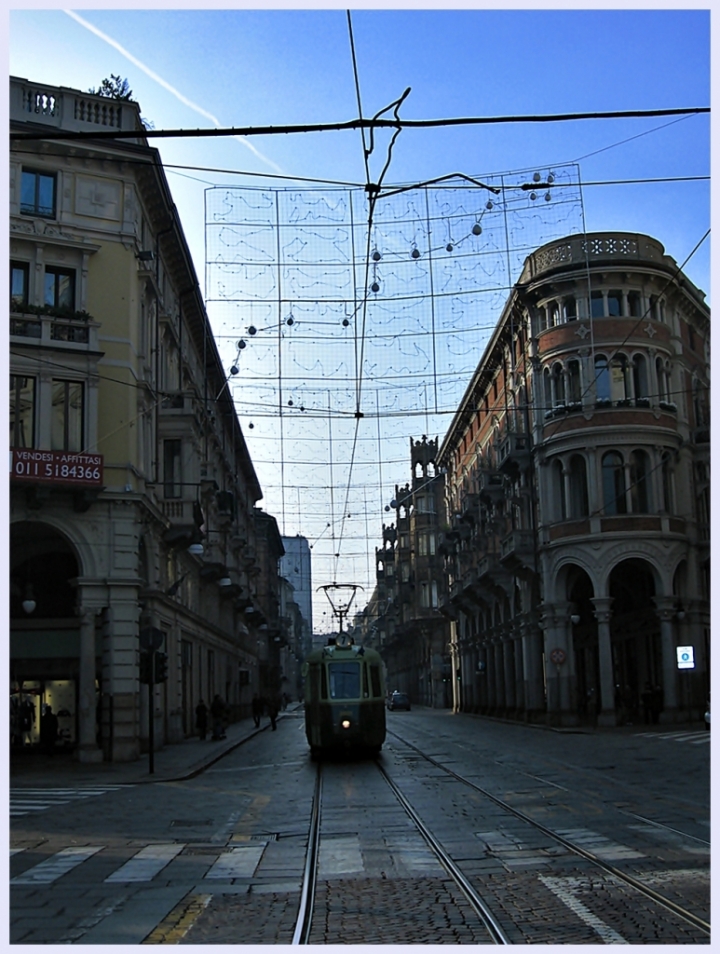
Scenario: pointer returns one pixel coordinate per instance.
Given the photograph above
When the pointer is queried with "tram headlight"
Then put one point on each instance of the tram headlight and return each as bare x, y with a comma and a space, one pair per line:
345, 723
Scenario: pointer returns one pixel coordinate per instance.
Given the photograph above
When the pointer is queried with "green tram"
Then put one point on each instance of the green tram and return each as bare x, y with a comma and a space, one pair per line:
344, 698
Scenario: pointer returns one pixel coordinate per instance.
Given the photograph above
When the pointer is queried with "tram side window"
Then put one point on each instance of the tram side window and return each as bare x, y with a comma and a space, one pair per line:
323, 686
344, 680
375, 681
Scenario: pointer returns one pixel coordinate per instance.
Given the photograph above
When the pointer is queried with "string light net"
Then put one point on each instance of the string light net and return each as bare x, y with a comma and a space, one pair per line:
344, 339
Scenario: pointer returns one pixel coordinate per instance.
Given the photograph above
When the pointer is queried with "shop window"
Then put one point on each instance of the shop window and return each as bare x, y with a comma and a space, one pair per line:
19, 284
22, 411
579, 505
172, 468
613, 481
59, 289
67, 415
37, 193
639, 482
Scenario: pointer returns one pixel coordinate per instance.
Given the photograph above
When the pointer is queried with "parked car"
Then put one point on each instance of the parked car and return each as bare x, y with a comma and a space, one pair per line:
399, 700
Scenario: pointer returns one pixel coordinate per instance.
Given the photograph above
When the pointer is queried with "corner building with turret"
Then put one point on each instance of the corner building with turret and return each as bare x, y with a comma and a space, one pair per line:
577, 485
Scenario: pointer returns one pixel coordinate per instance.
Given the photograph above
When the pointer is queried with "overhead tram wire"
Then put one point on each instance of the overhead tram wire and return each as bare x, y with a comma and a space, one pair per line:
374, 123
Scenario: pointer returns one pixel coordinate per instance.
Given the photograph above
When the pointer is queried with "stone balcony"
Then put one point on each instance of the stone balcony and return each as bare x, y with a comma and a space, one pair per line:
70, 110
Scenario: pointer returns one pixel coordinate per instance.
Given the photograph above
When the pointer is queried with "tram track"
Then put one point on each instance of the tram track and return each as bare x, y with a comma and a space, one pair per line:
303, 927
624, 877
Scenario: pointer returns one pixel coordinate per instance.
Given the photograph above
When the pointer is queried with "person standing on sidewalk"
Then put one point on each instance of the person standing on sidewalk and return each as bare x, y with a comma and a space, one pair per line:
201, 719
273, 708
257, 709
217, 711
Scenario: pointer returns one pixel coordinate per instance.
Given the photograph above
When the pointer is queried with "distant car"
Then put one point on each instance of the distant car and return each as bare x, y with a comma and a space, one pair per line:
399, 700
707, 716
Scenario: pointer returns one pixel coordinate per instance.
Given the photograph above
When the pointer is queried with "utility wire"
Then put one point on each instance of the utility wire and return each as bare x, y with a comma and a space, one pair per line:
374, 123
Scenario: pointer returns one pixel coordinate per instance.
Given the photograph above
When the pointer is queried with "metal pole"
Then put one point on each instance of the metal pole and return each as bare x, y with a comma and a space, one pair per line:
151, 713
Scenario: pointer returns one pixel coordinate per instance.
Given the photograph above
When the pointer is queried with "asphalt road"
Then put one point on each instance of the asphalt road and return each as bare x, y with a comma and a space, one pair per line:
219, 858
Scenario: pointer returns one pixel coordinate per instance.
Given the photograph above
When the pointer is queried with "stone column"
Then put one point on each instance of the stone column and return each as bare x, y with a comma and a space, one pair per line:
557, 626
518, 675
602, 605
532, 667
509, 672
665, 606
88, 750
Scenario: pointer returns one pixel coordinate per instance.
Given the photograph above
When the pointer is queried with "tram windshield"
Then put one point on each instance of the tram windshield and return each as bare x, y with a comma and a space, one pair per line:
344, 680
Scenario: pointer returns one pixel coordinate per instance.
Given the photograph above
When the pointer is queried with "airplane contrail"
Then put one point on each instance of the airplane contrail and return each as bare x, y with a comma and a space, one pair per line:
171, 89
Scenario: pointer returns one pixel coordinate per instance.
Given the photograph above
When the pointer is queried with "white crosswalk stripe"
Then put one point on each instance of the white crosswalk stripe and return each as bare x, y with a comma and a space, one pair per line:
26, 800
56, 866
144, 866
146, 863
598, 844
694, 737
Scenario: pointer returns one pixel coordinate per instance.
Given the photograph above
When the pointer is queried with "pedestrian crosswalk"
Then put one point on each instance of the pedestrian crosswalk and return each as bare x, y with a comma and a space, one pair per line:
693, 736
145, 865
26, 800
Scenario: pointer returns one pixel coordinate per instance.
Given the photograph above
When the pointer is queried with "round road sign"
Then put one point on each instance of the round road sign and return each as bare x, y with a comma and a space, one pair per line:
557, 656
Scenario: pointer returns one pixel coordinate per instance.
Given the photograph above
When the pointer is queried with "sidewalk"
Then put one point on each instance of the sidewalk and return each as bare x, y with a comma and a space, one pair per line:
172, 763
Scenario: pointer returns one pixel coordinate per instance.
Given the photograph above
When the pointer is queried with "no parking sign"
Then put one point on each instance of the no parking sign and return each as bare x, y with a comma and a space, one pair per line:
558, 656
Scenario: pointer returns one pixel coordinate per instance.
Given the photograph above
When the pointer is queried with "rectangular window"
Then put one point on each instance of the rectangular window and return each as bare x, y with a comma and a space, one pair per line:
344, 680
597, 305
375, 682
22, 411
59, 291
614, 300
19, 282
172, 468
67, 415
37, 193
422, 544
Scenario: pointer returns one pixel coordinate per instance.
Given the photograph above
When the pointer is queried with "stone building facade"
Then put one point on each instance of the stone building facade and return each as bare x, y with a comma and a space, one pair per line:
409, 628
132, 493
577, 476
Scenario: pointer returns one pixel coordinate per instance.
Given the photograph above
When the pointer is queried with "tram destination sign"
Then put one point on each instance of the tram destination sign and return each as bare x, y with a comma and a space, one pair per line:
56, 467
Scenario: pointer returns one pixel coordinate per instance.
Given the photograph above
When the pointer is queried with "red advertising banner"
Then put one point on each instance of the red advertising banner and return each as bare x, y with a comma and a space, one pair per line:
56, 467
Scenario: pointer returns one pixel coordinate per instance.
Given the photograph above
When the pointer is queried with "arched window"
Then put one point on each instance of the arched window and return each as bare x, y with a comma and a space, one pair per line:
557, 385
619, 390
640, 380
558, 484
570, 309
602, 378
615, 301
579, 506
661, 379
639, 493
613, 481
547, 390
573, 382
597, 305
666, 471
554, 312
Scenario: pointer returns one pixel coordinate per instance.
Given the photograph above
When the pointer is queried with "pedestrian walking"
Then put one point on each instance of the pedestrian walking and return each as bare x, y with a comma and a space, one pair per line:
201, 719
217, 711
273, 709
48, 730
257, 709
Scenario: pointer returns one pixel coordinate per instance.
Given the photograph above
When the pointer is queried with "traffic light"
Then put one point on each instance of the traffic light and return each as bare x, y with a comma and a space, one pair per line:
146, 668
161, 673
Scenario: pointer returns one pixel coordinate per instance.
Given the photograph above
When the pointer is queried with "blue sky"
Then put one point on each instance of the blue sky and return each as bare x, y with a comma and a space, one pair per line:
260, 67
